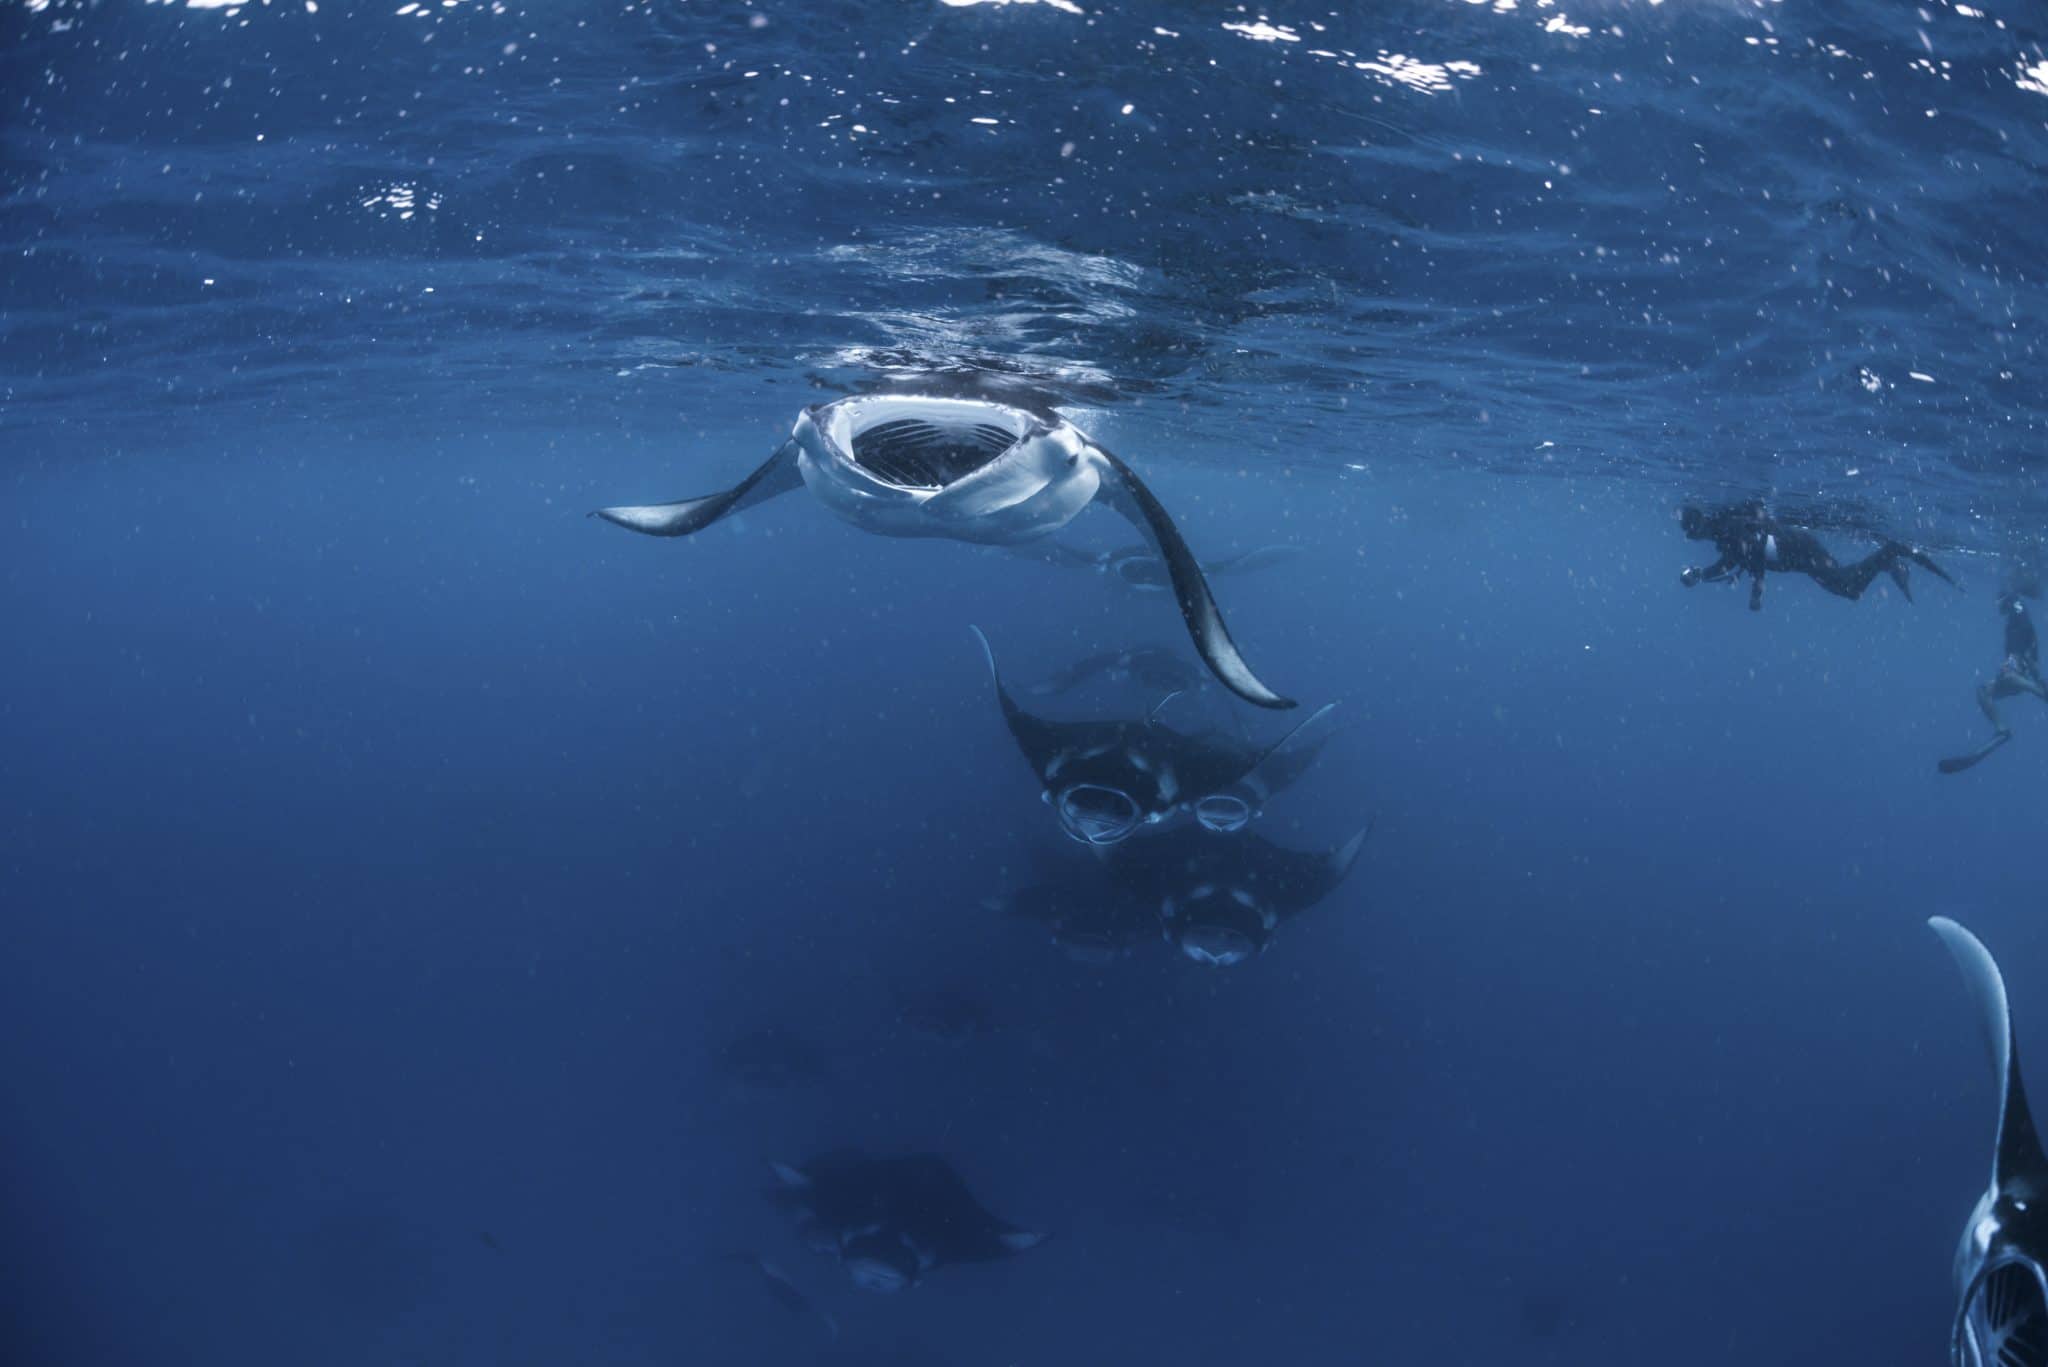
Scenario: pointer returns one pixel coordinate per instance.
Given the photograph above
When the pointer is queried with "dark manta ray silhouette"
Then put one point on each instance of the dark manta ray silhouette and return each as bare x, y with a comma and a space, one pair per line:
1221, 901
1108, 779
966, 469
892, 1221
2001, 1292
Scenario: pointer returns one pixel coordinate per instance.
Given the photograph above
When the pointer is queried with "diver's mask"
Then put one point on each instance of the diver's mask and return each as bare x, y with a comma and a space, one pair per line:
1223, 813
1097, 815
1217, 925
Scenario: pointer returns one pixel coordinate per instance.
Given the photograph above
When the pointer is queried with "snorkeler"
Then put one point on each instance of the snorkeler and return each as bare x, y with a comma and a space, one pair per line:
2020, 673
1752, 543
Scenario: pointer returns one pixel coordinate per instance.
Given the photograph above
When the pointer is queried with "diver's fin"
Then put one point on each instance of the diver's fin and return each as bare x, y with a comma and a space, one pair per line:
1897, 570
790, 1177
1926, 562
778, 476
1289, 756
1197, 604
2018, 1156
1955, 764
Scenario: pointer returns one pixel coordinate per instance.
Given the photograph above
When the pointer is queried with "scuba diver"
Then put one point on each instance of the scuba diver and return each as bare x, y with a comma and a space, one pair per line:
1751, 542
2020, 673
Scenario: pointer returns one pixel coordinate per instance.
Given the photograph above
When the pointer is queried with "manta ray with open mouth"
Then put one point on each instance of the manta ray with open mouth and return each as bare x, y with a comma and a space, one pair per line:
2001, 1289
970, 470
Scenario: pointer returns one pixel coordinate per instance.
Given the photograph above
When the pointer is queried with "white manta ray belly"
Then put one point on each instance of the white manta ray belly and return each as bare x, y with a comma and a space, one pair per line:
964, 469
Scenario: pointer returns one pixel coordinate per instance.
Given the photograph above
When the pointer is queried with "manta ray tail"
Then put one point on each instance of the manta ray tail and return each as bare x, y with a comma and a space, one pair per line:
778, 476
1197, 604
2018, 1153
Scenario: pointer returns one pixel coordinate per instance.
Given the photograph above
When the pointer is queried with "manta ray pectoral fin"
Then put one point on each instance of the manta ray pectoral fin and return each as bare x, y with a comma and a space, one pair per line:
1033, 736
789, 1177
1340, 860
1018, 1240
995, 677
778, 476
2018, 1155
1197, 605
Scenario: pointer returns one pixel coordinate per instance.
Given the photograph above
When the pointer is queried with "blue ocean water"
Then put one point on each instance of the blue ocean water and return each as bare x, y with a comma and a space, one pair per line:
429, 910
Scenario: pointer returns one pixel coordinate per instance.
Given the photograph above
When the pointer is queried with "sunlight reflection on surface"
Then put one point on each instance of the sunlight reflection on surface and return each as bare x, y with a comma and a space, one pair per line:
1065, 6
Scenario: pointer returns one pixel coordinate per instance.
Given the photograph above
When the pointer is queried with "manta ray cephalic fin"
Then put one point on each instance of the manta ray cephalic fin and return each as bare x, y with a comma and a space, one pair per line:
2018, 1157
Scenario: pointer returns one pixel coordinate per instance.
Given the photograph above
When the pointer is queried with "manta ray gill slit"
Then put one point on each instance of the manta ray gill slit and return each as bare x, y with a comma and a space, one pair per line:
923, 452
2013, 1319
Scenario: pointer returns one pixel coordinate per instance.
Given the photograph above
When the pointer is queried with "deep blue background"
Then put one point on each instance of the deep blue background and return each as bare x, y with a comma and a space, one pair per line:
388, 851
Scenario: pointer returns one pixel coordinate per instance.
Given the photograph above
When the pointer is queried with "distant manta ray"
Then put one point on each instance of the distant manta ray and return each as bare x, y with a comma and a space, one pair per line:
967, 470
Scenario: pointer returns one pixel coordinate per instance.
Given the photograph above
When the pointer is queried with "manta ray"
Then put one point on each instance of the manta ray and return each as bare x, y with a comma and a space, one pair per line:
2001, 1291
891, 1221
1107, 779
970, 470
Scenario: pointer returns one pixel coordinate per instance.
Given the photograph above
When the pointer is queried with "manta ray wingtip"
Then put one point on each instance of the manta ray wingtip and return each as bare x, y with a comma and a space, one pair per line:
988, 653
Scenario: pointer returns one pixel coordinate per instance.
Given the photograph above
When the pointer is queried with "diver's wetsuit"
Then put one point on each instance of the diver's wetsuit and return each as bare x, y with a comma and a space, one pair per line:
2019, 673
1750, 542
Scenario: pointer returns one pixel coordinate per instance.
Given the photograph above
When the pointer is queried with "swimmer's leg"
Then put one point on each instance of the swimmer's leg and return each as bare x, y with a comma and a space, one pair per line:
1849, 581
1987, 700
